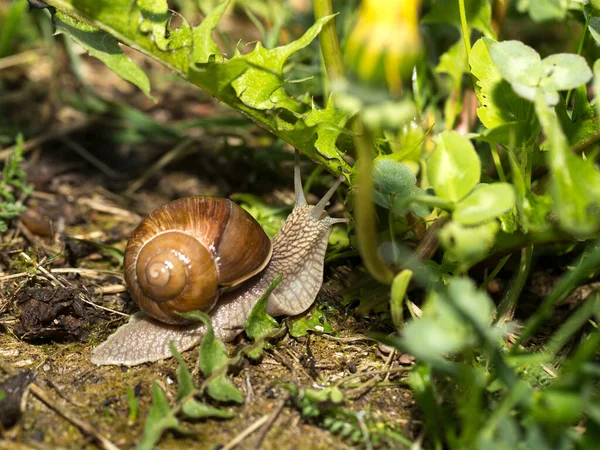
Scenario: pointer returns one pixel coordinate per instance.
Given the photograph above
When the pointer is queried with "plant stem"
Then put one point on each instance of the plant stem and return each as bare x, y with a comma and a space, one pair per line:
329, 41
364, 210
432, 200
580, 49
507, 307
464, 27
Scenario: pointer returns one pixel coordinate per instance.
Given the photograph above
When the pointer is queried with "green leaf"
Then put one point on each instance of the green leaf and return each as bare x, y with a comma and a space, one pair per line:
527, 74
104, 47
575, 184
441, 329
399, 288
259, 324
260, 86
160, 418
594, 29
468, 244
213, 358
565, 71
498, 104
517, 62
486, 202
544, 10
313, 321
253, 83
597, 85
193, 409
185, 383
454, 167
204, 45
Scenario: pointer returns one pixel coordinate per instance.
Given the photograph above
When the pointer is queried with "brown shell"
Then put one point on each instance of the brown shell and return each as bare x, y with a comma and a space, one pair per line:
184, 254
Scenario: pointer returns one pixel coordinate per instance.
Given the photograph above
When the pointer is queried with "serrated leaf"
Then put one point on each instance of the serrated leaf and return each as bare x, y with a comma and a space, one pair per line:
104, 47
160, 418
498, 104
260, 86
454, 167
486, 202
185, 383
156, 22
145, 26
313, 321
193, 409
204, 45
328, 124
213, 358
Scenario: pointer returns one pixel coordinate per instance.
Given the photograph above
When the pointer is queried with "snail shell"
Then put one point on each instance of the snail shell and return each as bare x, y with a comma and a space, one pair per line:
185, 254
238, 250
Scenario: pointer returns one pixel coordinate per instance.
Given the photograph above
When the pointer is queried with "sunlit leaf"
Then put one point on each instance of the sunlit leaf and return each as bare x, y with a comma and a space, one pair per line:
468, 244
486, 202
498, 104
213, 358
454, 168
315, 320
193, 409
185, 383
105, 47
160, 418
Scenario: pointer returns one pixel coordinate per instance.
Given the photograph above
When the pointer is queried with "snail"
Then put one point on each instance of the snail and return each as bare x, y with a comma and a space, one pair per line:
208, 254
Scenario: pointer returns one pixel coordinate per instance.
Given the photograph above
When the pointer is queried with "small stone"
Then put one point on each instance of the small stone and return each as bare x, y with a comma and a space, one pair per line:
46, 367
351, 367
405, 359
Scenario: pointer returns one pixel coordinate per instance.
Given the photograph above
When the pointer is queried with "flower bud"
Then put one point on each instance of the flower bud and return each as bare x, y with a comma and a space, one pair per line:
385, 43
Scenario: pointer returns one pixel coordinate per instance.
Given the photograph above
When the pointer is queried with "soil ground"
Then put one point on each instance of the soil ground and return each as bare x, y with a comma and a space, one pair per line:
61, 296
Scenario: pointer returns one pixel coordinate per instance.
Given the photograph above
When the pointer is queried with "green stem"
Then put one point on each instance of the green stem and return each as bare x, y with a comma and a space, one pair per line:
464, 27
329, 41
507, 307
497, 162
432, 200
580, 49
364, 210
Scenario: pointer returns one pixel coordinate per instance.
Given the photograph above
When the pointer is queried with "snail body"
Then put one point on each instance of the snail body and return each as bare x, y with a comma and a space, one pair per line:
205, 253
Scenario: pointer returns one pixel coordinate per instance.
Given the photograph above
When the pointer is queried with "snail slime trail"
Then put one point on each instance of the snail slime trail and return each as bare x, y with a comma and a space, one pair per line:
209, 254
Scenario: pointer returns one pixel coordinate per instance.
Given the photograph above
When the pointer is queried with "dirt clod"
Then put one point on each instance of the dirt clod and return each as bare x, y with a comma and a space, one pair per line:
57, 315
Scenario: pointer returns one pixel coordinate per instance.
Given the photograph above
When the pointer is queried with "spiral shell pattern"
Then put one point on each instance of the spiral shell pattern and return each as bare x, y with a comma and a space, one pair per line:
183, 255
